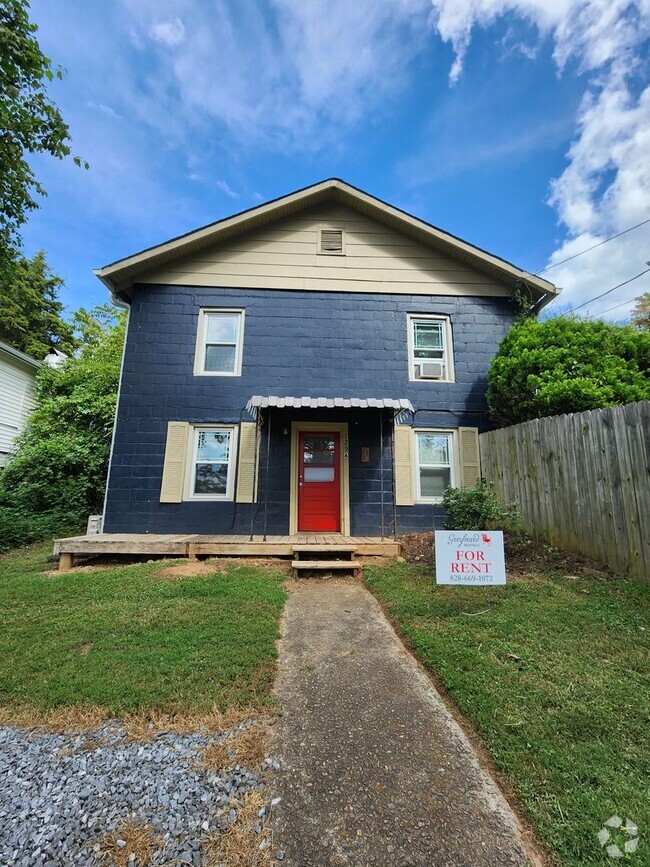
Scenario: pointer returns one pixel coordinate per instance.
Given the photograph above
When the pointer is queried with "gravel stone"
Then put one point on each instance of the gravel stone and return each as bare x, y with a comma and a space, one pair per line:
59, 800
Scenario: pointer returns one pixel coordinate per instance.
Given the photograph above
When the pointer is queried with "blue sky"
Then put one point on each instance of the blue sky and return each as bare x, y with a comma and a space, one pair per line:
522, 126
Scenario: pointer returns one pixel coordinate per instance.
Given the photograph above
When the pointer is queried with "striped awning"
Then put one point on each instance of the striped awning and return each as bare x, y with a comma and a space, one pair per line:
259, 401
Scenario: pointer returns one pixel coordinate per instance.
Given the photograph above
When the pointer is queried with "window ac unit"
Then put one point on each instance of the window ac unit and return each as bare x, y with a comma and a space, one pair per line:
431, 369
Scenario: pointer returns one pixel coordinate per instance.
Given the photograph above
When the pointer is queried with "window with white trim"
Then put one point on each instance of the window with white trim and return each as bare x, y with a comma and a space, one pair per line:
211, 473
435, 464
219, 343
430, 348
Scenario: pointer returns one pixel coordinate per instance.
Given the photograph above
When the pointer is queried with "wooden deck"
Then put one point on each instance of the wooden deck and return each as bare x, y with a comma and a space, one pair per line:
192, 545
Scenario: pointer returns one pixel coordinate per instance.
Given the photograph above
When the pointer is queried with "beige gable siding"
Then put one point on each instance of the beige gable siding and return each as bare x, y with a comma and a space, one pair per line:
284, 255
16, 402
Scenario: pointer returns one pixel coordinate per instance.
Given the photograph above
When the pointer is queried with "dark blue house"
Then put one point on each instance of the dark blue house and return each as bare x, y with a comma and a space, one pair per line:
315, 364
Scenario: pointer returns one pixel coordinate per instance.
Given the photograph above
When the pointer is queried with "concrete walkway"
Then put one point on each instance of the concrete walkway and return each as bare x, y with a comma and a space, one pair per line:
375, 769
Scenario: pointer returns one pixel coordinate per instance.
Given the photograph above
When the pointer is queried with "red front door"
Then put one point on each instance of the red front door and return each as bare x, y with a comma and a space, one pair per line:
319, 482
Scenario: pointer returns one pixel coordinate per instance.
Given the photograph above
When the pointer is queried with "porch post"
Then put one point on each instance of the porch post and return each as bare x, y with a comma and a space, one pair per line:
392, 448
258, 424
381, 470
266, 473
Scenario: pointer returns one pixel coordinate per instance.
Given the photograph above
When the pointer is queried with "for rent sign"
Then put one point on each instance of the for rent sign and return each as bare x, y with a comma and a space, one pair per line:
470, 558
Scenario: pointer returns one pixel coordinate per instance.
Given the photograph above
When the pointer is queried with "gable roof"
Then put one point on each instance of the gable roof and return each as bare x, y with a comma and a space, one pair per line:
119, 276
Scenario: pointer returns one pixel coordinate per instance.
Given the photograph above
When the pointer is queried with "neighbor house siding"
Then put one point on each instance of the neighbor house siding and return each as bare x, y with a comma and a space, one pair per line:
16, 400
295, 343
284, 255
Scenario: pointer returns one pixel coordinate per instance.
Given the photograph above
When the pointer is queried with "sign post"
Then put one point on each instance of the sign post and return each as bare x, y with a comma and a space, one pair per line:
473, 558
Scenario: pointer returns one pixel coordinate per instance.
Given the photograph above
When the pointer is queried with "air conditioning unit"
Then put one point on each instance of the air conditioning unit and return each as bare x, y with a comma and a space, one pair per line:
431, 369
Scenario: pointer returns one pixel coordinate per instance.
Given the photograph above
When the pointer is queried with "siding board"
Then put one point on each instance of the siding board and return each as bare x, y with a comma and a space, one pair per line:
284, 255
16, 401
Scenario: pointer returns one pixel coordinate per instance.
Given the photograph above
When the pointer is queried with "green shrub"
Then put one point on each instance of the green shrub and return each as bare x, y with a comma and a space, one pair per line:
57, 473
566, 365
479, 508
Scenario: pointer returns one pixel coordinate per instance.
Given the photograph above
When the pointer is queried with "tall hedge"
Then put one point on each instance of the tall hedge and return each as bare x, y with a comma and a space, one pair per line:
57, 473
566, 365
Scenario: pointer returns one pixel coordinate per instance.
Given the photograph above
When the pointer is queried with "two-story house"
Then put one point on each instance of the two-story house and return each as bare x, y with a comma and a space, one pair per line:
315, 364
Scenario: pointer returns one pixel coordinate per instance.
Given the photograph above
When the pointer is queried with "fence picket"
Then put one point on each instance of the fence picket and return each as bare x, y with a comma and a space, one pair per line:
582, 481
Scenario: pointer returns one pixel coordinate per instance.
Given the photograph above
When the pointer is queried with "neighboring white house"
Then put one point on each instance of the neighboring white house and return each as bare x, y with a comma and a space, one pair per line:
17, 375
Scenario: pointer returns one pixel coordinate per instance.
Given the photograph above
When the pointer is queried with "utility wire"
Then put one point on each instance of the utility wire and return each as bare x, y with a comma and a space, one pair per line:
599, 244
602, 294
609, 309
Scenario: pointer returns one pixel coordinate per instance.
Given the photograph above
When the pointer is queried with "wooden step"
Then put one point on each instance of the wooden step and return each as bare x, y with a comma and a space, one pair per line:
325, 565
317, 549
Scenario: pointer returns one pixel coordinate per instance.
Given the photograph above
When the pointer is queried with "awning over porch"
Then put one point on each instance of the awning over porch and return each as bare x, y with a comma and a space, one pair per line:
259, 401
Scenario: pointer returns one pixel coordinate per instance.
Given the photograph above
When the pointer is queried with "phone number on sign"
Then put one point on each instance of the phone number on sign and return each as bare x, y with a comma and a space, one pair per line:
477, 579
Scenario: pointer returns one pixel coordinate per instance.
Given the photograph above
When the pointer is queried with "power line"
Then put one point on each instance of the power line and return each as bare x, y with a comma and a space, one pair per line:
609, 309
589, 249
602, 294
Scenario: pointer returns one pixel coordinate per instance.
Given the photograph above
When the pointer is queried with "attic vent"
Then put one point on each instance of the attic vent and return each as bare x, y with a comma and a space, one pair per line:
331, 241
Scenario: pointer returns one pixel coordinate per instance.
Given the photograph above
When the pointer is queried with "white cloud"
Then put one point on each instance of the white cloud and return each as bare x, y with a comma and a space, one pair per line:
171, 32
105, 109
290, 83
605, 187
225, 188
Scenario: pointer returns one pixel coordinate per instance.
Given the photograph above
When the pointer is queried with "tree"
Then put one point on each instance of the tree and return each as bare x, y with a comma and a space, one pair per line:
57, 473
30, 312
641, 312
566, 365
29, 121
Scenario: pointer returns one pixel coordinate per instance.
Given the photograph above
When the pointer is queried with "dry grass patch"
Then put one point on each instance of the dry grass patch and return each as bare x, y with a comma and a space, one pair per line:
139, 726
127, 840
239, 846
144, 726
58, 720
247, 748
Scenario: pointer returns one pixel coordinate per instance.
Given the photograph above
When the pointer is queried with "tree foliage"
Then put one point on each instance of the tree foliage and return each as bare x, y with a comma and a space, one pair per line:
30, 312
641, 312
29, 121
57, 474
566, 365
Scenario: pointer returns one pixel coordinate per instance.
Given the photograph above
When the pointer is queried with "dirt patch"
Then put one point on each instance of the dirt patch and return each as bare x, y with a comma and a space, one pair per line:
189, 569
177, 569
524, 557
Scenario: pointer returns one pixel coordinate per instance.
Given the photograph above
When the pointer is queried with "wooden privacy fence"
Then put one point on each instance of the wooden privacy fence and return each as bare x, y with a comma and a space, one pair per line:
582, 481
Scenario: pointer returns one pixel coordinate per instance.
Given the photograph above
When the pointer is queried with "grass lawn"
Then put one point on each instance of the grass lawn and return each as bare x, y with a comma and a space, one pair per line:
129, 640
555, 679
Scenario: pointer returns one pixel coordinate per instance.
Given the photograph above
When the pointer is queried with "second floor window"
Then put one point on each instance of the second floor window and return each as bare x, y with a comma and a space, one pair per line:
219, 343
430, 352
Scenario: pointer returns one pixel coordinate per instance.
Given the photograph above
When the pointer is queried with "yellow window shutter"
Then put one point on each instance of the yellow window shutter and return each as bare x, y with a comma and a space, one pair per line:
403, 466
470, 457
246, 475
173, 478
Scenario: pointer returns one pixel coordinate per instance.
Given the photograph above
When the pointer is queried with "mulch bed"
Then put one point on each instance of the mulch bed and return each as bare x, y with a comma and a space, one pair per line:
523, 554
